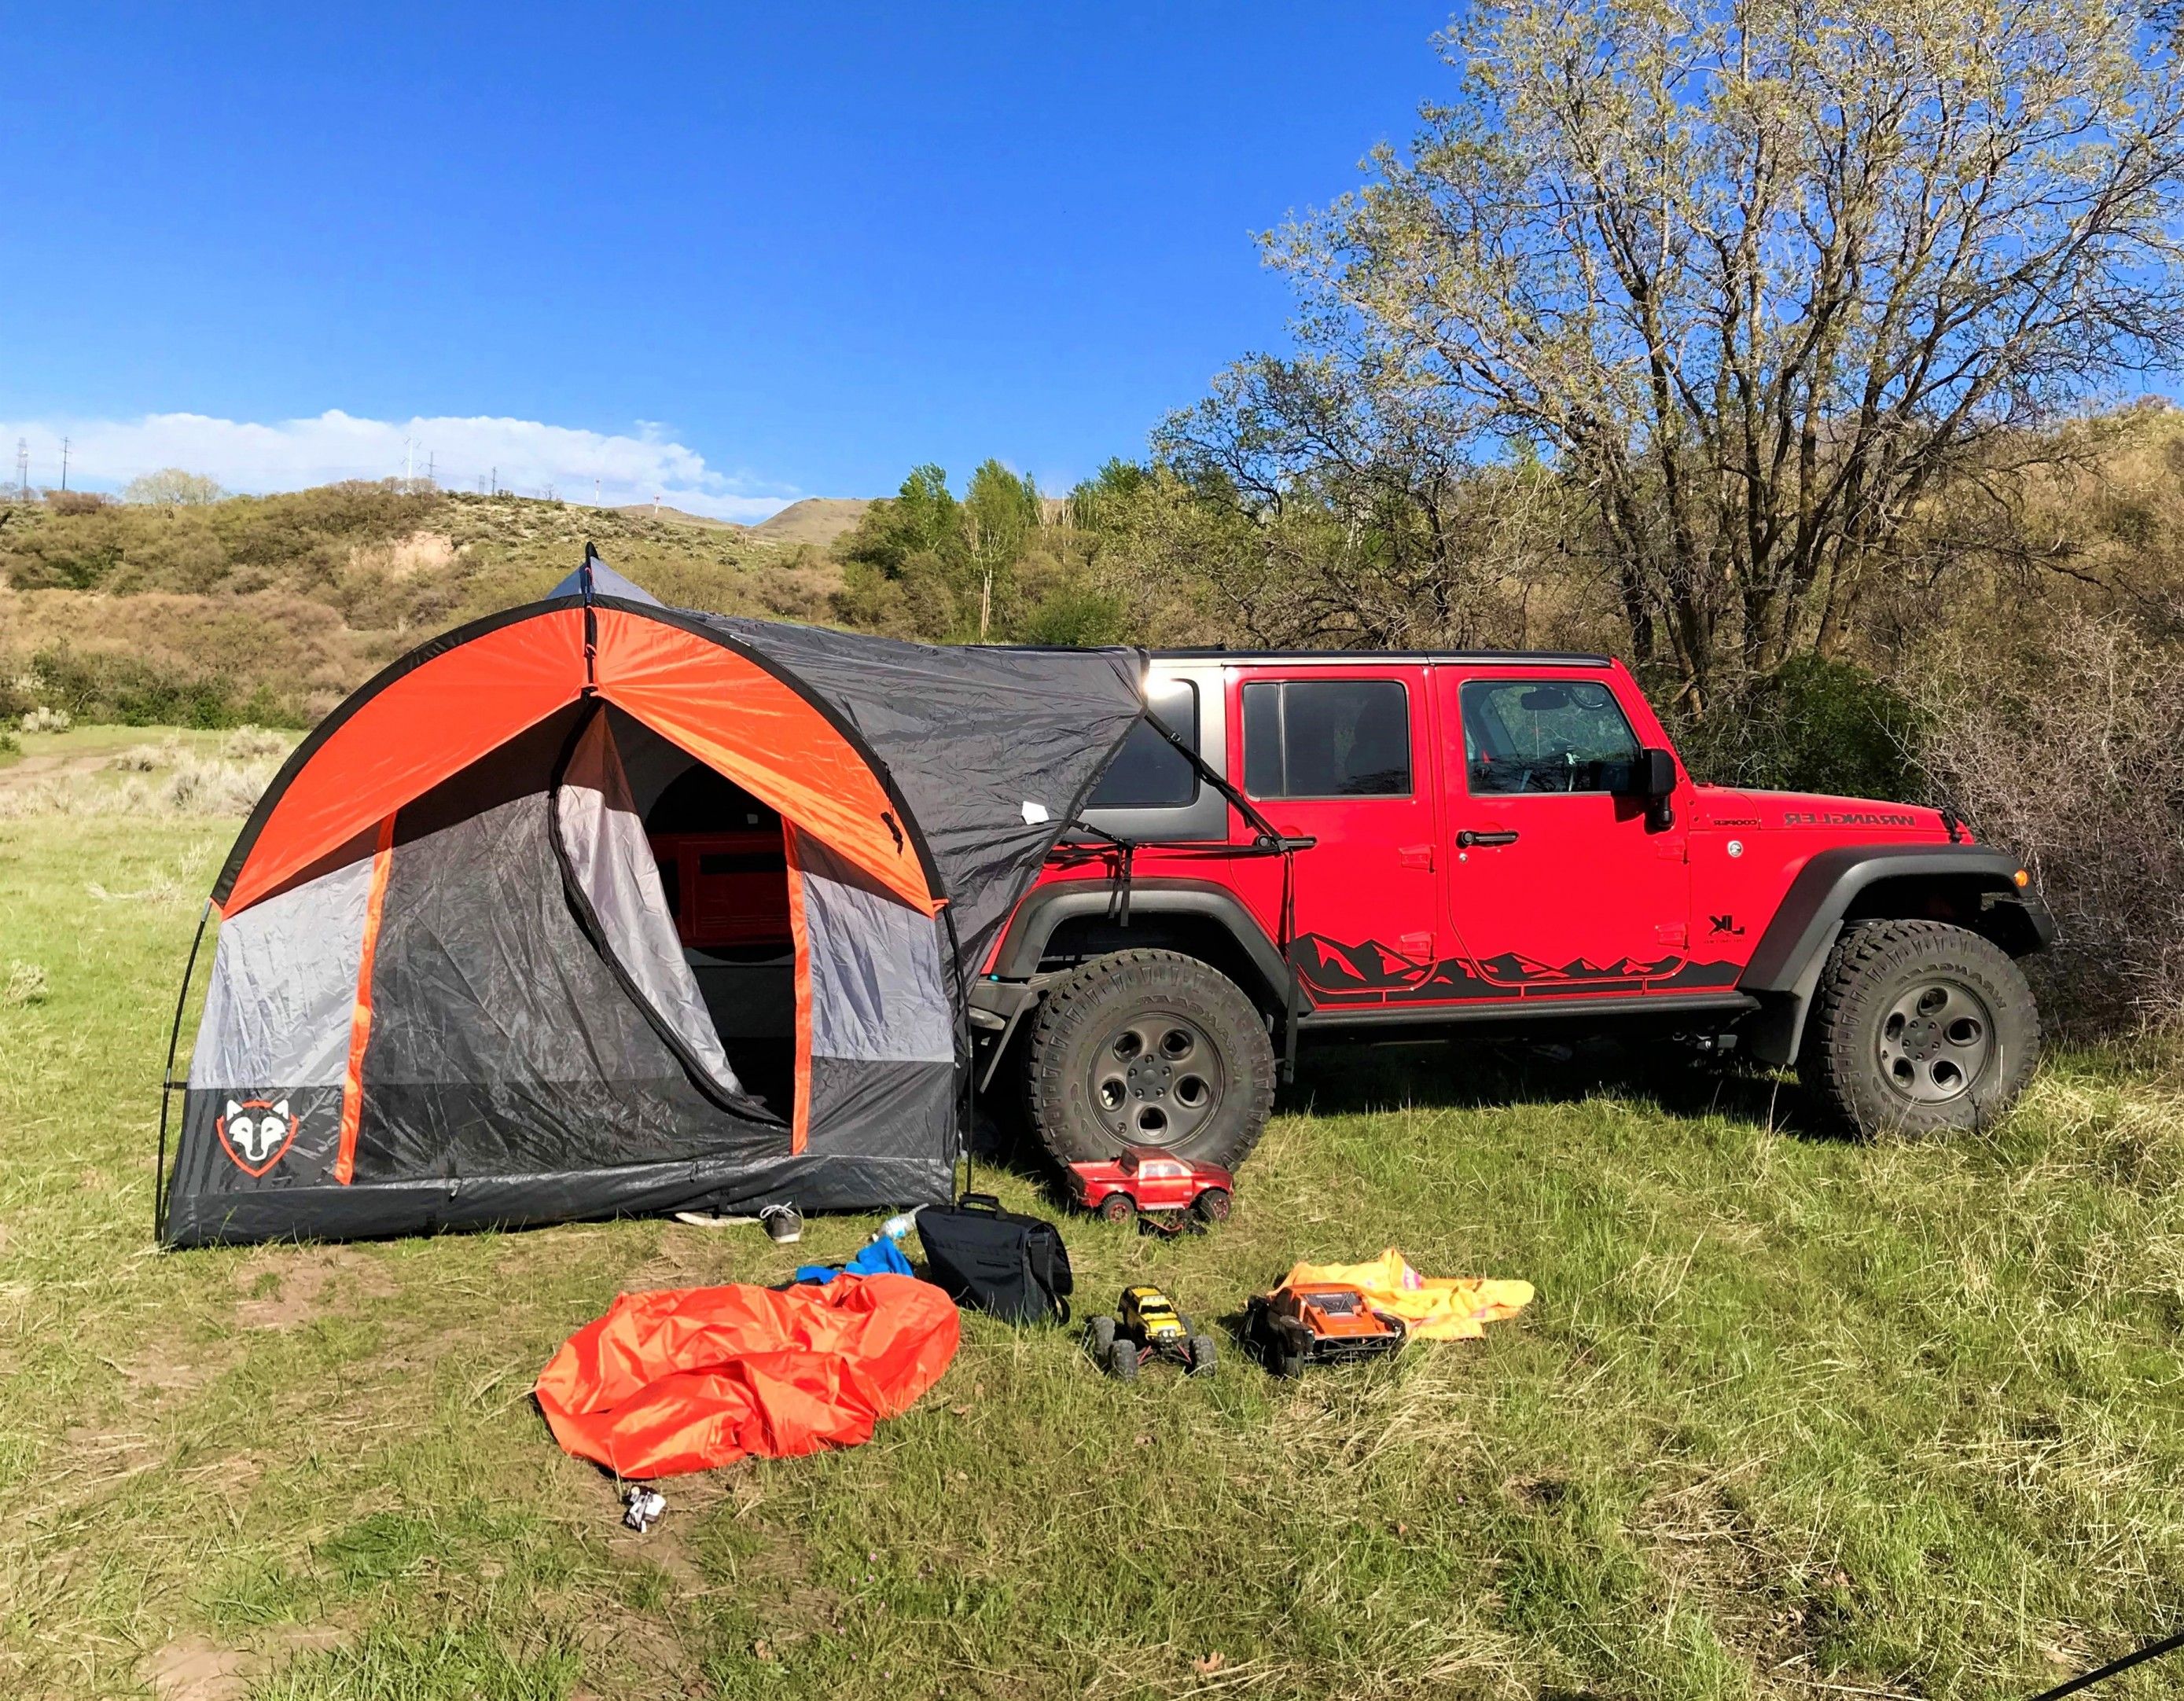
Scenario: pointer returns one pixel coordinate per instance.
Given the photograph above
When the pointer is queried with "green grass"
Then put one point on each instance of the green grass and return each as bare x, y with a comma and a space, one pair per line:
84, 742
1790, 1417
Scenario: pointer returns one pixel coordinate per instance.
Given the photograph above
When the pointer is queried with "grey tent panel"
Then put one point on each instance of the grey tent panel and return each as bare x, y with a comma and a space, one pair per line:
896, 1111
283, 987
878, 990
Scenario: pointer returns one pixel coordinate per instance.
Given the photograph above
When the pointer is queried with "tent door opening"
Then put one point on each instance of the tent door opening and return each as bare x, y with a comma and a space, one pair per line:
724, 869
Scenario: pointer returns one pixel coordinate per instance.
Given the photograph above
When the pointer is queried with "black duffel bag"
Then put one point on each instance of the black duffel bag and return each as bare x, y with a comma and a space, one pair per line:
1012, 1265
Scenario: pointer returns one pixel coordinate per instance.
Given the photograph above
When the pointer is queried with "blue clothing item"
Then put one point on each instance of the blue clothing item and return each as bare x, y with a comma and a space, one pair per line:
882, 1258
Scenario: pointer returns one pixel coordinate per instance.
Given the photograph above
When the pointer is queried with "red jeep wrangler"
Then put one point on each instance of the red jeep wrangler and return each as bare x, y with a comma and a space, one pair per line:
1490, 838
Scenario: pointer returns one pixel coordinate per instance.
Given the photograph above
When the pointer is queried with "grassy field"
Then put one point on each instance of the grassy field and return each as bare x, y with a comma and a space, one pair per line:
1790, 1416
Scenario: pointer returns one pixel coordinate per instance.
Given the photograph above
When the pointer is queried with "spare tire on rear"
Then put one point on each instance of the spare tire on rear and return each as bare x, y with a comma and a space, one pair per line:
1149, 1048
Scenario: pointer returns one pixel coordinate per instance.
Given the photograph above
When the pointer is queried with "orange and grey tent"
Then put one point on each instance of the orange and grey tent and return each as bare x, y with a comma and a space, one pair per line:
448, 987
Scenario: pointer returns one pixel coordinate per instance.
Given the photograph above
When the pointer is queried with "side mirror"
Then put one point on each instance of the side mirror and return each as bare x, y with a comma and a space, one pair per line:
1653, 779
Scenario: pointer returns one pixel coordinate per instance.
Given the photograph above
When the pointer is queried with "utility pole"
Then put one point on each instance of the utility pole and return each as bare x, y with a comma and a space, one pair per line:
23, 468
496, 480
64, 452
432, 472
409, 466
595, 493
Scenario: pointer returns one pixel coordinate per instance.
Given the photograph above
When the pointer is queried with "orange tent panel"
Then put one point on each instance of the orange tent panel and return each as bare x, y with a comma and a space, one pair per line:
733, 714
433, 721
439, 717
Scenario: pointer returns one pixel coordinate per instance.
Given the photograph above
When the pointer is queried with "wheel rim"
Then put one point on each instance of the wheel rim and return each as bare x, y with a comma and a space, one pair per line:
1156, 1079
1936, 1043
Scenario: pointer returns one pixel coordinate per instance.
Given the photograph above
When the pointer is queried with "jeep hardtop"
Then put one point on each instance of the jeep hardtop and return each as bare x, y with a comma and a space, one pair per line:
1358, 840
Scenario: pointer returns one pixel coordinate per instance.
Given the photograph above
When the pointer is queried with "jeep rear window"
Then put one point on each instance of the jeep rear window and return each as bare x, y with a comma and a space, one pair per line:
1327, 738
1546, 735
1148, 773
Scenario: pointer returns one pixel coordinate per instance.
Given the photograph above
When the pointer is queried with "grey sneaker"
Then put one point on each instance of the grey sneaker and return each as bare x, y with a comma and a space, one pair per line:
784, 1224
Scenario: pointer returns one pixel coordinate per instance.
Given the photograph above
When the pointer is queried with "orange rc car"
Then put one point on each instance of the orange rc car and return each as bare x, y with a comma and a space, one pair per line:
1317, 1323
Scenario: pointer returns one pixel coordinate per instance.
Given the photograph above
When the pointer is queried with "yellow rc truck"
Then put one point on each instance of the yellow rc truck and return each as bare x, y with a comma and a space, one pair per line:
1146, 1325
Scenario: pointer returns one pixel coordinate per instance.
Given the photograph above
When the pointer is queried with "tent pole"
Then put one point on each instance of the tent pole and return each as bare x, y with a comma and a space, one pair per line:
168, 1085
963, 1034
1272, 838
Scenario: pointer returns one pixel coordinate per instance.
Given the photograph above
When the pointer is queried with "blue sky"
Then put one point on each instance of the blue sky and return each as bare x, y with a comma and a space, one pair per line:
738, 254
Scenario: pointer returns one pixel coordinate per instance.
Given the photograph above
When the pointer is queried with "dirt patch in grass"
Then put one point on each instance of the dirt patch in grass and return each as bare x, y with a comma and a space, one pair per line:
167, 1370
283, 1287
1703, 1549
35, 767
192, 1668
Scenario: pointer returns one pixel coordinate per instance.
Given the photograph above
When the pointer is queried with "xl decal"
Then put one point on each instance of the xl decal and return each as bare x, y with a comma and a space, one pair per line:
256, 1132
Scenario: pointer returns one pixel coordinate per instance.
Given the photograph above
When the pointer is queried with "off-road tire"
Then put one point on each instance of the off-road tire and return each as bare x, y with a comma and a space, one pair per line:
1123, 1359
1100, 1339
1202, 1355
1081, 1013
1876, 964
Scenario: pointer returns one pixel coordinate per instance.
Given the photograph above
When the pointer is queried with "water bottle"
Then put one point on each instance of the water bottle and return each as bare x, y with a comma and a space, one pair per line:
896, 1227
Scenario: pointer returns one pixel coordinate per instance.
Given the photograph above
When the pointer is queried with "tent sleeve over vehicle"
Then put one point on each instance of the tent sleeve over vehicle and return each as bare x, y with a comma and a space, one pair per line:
994, 750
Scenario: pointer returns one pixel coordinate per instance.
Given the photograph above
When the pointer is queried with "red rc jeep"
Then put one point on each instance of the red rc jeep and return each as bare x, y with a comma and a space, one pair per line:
1487, 838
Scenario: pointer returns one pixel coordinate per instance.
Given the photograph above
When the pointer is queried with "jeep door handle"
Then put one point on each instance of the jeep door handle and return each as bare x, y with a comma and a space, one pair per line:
1466, 839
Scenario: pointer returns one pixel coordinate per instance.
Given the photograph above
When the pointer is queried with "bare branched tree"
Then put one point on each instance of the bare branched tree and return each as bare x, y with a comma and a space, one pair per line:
1346, 509
1758, 279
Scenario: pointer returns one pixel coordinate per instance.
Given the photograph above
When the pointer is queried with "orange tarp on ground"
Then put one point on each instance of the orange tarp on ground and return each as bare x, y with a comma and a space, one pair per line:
687, 1378
1436, 1307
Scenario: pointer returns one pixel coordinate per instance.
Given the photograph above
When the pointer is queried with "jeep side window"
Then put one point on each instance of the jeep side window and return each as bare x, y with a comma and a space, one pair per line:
1148, 772
1327, 738
1544, 735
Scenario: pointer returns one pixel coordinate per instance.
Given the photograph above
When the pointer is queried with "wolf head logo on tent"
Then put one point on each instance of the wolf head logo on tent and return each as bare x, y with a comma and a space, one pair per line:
256, 1132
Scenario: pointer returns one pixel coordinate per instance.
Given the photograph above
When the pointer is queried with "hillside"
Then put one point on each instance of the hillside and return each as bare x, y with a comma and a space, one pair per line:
274, 607
817, 520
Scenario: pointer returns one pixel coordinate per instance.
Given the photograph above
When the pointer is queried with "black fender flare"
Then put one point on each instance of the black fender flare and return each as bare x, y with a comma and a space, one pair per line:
1046, 908
1786, 965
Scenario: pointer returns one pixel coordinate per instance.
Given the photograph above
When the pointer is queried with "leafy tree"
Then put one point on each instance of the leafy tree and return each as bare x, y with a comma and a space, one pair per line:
1098, 503
1001, 516
923, 518
171, 487
1757, 280
932, 567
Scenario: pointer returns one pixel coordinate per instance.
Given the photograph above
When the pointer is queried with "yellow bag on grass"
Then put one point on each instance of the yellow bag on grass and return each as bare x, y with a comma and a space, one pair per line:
1436, 1307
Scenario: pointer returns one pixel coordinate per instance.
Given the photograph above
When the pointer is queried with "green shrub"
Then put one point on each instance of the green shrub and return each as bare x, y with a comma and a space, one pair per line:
1076, 617
1812, 725
99, 686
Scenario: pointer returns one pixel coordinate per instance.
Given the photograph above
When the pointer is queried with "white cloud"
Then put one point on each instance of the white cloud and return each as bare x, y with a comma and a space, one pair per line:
527, 456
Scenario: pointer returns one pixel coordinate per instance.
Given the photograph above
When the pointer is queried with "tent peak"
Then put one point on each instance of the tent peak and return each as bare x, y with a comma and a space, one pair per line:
596, 579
